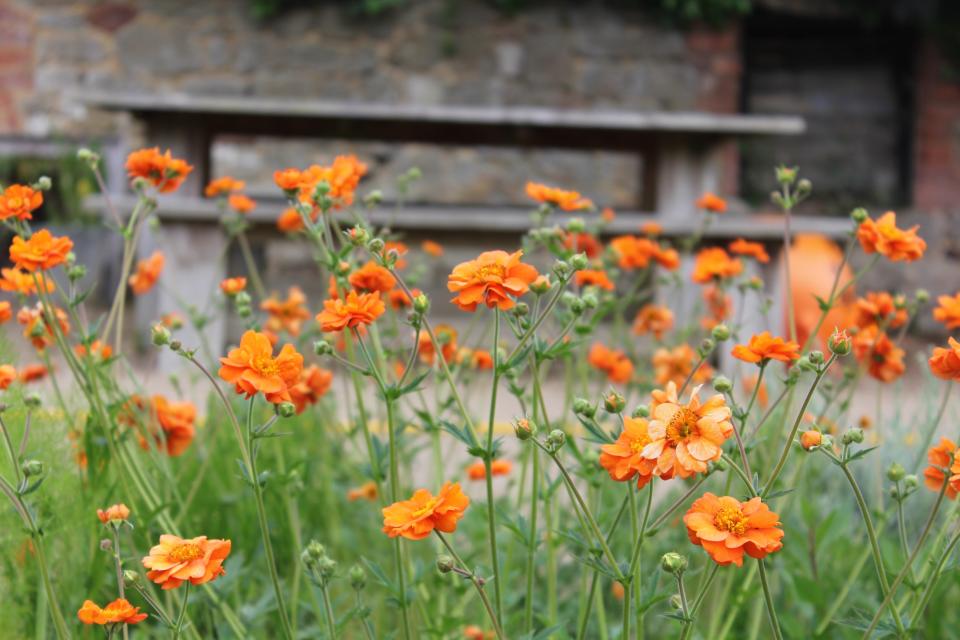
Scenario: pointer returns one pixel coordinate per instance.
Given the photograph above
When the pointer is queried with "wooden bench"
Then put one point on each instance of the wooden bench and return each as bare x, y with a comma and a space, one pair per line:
681, 158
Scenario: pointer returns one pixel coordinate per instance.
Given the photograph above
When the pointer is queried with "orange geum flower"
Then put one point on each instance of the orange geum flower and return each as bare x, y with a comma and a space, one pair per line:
879, 307
8, 374
943, 455
176, 420
653, 318
147, 273
176, 560
754, 250
42, 251
37, 329
241, 203
612, 362
668, 258
676, 364
33, 373
163, 171
6, 311
494, 278
286, 315
810, 439
223, 186
399, 299
726, 528
18, 201
113, 513
566, 200
593, 278
23, 283
948, 312
945, 361
355, 311
764, 347
713, 264
685, 437
372, 277
418, 517
498, 467
481, 359
252, 368
884, 359
289, 179
233, 286
882, 236
633, 252
431, 248
586, 243
117, 612
719, 306
711, 202
623, 459
366, 491
98, 350
446, 336
652, 229
314, 382
291, 220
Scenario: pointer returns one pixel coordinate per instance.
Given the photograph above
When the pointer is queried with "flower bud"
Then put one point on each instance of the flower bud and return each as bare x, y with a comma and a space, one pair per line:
614, 402
375, 246
922, 296
44, 183
804, 364
851, 436
175, 345
106, 544
357, 236
326, 567
322, 348
131, 579
706, 347
720, 332
556, 439
373, 198
286, 409
315, 550
358, 577
786, 175
720, 465
561, 269
811, 439
76, 272
896, 472
524, 429
579, 261
421, 303
577, 307
816, 357
676, 602
445, 564
859, 215
88, 156
911, 482
804, 187
32, 400
643, 411
722, 384
583, 407
540, 286
160, 335
590, 300
673, 563
521, 309
31, 468
576, 225
839, 342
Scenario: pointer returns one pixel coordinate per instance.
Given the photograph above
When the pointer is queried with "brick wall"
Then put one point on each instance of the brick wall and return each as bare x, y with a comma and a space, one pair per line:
936, 178
16, 65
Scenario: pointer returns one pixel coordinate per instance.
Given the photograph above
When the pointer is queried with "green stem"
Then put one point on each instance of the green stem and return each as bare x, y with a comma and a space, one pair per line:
328, 609
477, 584
768, 601
487, 461
251, 265
934, 578
183, 611
688, 626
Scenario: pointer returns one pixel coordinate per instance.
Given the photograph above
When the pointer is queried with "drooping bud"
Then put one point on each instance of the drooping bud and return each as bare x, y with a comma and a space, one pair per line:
31, 468
852, 436
583, 407
445, 564
555, 440
322, 348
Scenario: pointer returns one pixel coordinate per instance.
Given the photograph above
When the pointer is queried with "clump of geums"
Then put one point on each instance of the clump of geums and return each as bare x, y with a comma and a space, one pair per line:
600, 314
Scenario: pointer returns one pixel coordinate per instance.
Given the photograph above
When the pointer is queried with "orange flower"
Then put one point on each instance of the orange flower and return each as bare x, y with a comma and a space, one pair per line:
33, 372
172, 320
355, 311
42, 251
943, 456
314, 382
623, 459
176, 421
566, 200
653, 318
583, 243
399, 299
113, 513
608, 215
948, 312
481, 359
615, 364
372, 277
233, 286
715, 264
6, 311
754, 250
879, 307
884, 359
669, 259
676, 364
684, 438
290, 220
289, 179
633, 252
432, 248
37, 329
810, 439
98, 350
711, 202
18, 201
176, 560
417, 517
593, 278
252, 367
163, 171
726, 527
366, 491
885, 238
764, 347
241, 203
493, 278
7, 375
499, 467
147, 274
223, 186
446, 336
719, 306
23, 283
651, 228
286, 315
750, 384
117, 612
341, 178
945, 362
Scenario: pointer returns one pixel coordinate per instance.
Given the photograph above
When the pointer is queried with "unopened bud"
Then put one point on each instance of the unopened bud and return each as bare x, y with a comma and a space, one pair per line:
720, 332
540, 286
445, 564
590, 300
375, 197
160, 335
839, 342
32, 400
421, 303
816, 357
804, 364
786, 175
561, 269
706, 347
851, 436
44, 183
358, 577
811, 439
922, 296
896, 472
859, 215
643, 411
579, 261
524, 429
911, 482
576, 225
326, 567
31, 468
584, 407
722, 384
614, 402
76, 272
106, 544
556, 439
322, 348
673, 563
131, 578
287, 409
375, 246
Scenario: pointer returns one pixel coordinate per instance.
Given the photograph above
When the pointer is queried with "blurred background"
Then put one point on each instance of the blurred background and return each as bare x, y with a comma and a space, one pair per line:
640, 104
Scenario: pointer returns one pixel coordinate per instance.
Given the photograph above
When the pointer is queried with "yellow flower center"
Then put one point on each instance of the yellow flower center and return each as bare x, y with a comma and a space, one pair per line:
730, 518
637, 444
265, 365
425, 509
682, 425
186, 552
492, 272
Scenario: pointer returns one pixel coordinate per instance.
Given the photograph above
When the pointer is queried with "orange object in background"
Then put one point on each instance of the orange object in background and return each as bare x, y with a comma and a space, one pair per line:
814, 261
